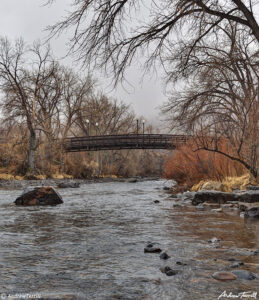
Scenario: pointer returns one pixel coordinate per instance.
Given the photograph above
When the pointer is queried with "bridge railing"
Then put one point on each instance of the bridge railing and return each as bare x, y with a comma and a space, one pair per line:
159, 141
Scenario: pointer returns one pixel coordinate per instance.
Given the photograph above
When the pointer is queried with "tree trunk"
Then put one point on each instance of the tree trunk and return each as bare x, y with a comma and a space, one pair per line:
32, 149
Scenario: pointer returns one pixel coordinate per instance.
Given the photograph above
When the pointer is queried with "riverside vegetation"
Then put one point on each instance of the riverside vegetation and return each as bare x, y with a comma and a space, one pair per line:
42, 103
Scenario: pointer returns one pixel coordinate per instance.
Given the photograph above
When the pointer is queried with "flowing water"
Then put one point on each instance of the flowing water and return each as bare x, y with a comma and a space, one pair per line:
91, 247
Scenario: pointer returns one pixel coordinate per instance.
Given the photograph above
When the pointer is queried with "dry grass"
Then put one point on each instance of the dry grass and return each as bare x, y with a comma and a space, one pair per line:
228, 184
5, 176
232, 183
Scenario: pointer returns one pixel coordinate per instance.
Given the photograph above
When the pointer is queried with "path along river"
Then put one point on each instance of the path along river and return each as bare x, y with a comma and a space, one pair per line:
91, 247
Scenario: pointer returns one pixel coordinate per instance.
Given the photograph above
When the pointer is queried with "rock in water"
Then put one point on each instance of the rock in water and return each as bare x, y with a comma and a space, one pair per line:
213, 240
237, 264
44, 195
212, 197
252, 212
150, 248
166, 188
243, 274
222, 197
132, 180
168, 271
224, 276
65, 185
164, 255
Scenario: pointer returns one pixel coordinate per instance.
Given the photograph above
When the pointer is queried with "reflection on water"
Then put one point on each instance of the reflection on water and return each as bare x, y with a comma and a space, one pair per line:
91, 247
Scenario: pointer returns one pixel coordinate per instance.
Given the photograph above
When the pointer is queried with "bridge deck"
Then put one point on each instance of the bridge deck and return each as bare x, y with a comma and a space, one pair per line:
127, 141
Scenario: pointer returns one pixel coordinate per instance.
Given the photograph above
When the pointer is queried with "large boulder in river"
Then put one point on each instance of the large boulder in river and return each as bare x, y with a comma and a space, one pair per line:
251, 196
44, 195
212, 197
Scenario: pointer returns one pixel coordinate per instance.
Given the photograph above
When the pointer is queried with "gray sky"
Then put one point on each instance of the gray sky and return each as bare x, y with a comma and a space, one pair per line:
29, 18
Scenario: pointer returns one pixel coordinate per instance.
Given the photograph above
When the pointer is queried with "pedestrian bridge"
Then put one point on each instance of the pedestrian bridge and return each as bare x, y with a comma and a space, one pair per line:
124, 141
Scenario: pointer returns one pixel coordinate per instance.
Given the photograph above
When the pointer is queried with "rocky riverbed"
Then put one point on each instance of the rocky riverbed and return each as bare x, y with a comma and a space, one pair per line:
93, 245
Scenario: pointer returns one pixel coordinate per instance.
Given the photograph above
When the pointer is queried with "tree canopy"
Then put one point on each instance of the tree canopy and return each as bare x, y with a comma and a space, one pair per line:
111, 33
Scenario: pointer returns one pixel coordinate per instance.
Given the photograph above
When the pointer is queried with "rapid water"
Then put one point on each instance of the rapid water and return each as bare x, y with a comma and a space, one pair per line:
91, 247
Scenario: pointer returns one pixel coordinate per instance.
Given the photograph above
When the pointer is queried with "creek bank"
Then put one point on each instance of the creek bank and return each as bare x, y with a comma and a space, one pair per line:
22, 184
251, 196
246, 202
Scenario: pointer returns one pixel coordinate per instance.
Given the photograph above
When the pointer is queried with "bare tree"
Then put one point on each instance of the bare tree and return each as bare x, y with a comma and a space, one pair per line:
113, 117
76, 90
112, 33
220, 105
23, 73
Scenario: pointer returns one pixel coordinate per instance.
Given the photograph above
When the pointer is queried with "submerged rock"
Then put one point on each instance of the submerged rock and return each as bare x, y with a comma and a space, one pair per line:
231, 259
211, 205
152, 249
166, 188
164, 255
168, 271
132, 180
252, 212
224, 276
65, 185
217, 210
200, 206
45, 195
173, 196
214, 240
181, 263
243, 274
237, 264
249, 209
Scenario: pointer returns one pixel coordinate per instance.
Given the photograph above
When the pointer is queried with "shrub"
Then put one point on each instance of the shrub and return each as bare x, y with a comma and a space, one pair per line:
189, 167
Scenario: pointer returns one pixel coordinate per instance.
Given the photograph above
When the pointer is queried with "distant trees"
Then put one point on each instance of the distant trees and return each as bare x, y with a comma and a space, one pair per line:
113, 117
43, 102
39, 92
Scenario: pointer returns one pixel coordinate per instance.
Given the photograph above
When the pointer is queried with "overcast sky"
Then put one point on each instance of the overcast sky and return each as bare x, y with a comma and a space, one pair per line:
29, 19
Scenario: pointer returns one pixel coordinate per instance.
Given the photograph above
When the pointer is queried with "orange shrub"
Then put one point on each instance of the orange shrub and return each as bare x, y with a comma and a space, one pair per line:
189, 167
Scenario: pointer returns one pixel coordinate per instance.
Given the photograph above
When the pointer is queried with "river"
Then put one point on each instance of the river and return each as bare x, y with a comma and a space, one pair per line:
91, 247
